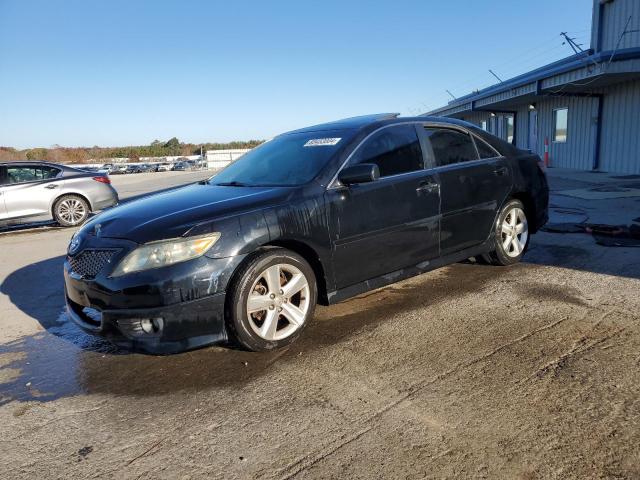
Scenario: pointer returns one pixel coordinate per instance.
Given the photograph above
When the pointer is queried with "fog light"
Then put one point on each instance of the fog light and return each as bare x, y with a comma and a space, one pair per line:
151, 325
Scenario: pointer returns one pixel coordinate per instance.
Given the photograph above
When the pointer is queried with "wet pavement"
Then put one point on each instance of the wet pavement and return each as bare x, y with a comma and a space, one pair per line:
524, 372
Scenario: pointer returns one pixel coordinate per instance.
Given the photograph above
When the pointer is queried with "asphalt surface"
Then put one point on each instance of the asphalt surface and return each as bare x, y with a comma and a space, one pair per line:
524, 372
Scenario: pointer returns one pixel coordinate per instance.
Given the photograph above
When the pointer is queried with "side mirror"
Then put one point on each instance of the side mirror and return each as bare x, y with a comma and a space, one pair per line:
361, 173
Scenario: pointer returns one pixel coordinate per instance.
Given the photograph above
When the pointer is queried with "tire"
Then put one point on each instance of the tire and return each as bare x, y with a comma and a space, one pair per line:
509, 249
71, 210
265, 277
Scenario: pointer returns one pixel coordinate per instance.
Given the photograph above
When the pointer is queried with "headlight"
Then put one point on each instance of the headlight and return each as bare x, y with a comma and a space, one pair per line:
165, 252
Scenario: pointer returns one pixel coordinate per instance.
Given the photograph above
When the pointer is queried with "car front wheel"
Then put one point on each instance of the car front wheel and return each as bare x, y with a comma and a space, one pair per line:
271, 300
511, 235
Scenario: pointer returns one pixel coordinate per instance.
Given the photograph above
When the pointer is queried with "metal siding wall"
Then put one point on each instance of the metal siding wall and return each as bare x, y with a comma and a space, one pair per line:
578, 150
522, 127
620, 142
614, 18
476, 117
595, 16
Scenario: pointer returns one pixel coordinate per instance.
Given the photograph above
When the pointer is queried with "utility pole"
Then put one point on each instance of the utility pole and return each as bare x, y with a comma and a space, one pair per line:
493, 73
576, 47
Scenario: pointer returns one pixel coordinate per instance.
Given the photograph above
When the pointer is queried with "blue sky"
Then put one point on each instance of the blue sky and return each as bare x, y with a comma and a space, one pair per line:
126, 72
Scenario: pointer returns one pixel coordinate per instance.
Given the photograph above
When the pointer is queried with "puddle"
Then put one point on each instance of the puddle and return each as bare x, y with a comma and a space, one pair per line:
65, 329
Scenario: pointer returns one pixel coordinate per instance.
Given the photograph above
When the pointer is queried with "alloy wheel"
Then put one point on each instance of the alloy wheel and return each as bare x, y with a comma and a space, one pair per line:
278, 302
72, 211
515, 232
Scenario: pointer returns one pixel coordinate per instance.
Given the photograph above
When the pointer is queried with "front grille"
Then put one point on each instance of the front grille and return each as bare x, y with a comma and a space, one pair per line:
89, 263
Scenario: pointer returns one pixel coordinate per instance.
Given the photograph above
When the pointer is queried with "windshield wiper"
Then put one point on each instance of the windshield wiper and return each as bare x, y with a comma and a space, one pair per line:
232, 184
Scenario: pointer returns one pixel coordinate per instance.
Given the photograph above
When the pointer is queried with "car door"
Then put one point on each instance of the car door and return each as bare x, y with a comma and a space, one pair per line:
474, 182
390, 223
29, 190
3, 208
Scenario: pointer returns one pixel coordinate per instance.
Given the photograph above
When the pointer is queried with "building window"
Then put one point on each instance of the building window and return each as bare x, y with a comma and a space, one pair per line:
509, 128
483, 125
560, 125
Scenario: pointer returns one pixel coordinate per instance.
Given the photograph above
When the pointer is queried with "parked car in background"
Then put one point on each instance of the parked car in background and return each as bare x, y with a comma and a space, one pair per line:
107, 167
118, 170
93, 169
136, 168
181, 167
32, 191
164, 167
315, 215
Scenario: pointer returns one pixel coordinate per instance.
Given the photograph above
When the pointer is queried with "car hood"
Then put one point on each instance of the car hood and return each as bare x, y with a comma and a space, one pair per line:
171, 214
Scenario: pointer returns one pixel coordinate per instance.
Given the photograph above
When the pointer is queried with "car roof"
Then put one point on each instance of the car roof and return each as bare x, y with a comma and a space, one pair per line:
33, 162
376, 120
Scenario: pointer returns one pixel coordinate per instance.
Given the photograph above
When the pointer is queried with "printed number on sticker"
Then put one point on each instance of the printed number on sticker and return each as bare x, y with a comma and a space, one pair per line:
321, 142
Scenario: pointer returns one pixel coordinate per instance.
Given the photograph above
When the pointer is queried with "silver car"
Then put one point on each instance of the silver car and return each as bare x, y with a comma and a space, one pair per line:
31, 191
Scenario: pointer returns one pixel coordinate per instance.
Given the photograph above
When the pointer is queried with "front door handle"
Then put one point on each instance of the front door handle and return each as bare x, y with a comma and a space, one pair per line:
500, 171
51, 186
427, 187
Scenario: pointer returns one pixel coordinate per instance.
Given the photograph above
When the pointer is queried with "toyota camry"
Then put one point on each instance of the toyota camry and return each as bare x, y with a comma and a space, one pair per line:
315, 215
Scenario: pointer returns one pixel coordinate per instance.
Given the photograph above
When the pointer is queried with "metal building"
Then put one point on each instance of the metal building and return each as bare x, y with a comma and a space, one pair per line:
221, 158
585, 107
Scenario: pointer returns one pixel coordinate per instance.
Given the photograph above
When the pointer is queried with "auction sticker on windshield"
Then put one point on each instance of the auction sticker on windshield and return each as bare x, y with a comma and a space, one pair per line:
322, 142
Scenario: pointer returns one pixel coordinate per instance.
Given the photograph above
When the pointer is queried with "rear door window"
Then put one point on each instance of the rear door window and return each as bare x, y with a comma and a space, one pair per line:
485, 150
451, 146
394, 150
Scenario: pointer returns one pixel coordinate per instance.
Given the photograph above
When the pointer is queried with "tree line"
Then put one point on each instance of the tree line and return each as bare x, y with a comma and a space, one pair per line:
157, 148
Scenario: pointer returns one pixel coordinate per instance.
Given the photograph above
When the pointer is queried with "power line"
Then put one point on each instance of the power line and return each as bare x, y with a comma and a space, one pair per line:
516, 60
518, 64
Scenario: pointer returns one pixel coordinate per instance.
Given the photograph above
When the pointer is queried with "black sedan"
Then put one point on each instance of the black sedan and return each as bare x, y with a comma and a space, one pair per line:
316, 215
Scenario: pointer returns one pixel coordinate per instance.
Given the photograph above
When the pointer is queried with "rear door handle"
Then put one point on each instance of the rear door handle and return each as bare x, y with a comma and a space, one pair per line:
51, 185
500, 171
427, 186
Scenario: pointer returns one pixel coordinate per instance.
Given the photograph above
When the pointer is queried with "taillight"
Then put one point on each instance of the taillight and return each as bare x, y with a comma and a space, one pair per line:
102, 179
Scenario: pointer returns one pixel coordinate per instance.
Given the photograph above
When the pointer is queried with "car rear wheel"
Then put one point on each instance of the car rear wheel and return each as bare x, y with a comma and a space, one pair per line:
70, 210
511, 235
272, 300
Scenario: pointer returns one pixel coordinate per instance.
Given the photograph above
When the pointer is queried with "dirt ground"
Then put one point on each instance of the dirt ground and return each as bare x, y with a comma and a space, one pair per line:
526, 372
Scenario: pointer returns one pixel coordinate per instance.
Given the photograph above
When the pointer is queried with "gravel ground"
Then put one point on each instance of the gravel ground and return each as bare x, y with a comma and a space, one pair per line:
524, 372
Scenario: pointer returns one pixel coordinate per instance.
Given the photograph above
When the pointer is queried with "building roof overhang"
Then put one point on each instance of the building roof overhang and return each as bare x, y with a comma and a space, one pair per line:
575, 75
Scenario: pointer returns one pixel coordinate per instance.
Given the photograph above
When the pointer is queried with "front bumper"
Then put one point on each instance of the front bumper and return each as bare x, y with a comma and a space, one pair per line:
186, 301
185, 326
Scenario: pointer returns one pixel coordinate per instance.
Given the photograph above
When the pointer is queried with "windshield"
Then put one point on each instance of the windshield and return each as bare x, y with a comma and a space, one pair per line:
287, 160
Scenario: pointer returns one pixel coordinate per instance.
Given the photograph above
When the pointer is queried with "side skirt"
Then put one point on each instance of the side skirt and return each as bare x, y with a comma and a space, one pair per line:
408, 272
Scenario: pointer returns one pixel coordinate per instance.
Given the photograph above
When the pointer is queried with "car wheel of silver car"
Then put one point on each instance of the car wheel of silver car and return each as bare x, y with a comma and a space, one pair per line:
271, 300
511, 235
71, 210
